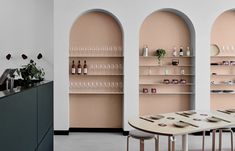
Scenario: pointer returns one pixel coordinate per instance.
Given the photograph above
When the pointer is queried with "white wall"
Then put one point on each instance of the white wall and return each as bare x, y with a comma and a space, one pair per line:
131, 15
26, 26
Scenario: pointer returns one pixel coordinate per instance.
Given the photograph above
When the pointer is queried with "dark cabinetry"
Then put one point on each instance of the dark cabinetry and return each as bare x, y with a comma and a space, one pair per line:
26, 119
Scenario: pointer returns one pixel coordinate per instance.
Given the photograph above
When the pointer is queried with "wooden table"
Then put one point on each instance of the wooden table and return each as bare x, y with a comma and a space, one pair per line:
198, 123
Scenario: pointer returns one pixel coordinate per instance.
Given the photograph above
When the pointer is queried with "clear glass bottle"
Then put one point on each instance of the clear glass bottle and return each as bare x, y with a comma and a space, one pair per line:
188, 53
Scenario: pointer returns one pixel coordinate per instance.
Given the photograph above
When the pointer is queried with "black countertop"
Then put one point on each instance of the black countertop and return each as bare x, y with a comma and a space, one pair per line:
21, 88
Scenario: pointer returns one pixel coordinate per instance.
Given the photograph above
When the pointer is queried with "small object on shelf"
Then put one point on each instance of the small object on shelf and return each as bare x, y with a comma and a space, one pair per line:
145, 51
214, 50
174, 52
232, 62
153, 90
214, 73
180, 124
216, 91
175, 81
188, 53
145, 90
181, 53
182, 71
175, 62
166, 81
79, 69
166, 71
73, 69
182, 81
214, 64
85, 70
225, 62
228, 91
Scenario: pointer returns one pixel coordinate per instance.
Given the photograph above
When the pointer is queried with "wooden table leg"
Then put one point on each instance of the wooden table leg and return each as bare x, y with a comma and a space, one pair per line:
185, 142
173, 143
220, 140
203, 140
169, 143
213, 140
141, 145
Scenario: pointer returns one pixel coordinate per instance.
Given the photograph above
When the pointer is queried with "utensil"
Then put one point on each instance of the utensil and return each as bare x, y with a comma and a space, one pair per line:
146, 119
221, 119
189, 124
156, 117
182, 114
224, 111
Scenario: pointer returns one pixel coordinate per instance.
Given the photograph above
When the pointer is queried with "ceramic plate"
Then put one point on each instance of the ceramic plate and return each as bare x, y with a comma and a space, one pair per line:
180, 124
156, 117
212, 119
214, 50
189, 112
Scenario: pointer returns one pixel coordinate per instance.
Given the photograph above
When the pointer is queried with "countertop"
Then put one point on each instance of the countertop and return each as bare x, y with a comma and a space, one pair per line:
19, 89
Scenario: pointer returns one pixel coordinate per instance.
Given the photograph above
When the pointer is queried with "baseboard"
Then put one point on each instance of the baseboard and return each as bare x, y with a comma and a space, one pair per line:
61, 132
72, 129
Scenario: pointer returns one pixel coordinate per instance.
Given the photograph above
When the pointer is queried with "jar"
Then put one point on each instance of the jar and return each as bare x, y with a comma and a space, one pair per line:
145, 90
166, 81
182, 81
153, 90
175, 62
145, 51
175, 81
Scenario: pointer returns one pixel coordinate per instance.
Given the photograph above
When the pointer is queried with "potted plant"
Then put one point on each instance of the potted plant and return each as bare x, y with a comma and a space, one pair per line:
30, 73
160, 53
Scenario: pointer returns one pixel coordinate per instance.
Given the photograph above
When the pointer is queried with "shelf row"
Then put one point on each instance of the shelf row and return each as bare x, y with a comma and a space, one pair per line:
77, 56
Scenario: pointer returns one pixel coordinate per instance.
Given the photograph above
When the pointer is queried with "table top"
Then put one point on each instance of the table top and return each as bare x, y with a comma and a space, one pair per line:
197, 122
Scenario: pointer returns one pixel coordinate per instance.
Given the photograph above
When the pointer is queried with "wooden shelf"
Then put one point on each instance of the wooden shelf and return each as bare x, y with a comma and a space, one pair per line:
168, 93
222, 56
187, 84
96, 75
223, 75
167, 57
222, 84
96, 93
95, 56
222, 93
222, 65
158, 66
167, 75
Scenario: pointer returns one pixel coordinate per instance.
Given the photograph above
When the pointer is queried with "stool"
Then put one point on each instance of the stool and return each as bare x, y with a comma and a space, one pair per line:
221, 130
142, 136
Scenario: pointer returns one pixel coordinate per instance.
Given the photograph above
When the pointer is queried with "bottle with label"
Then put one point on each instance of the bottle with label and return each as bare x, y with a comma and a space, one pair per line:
145, 51
79, 70
181, 53
188, 52
174, 52
73, 68
85, 68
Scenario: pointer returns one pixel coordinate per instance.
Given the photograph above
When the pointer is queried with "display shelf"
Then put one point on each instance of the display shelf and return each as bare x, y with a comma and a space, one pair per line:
168, 93
166, 74
95, 93
167, 57
222, 84
95, 56
95, 75
222, 56
187, 84
222, 65
159, 66
214, 75
223, 93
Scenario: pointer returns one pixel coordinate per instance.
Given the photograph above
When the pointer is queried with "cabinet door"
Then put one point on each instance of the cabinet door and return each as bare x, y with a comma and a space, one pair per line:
45, 109
47, 142
18, 121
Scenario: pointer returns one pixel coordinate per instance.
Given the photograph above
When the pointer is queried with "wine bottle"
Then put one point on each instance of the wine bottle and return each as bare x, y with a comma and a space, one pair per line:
73, 69
181, 53
85, 68
79, 70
